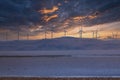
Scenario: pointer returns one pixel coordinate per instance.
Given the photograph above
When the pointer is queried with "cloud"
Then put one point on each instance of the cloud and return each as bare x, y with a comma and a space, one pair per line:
47, 11
16, 14
62, 14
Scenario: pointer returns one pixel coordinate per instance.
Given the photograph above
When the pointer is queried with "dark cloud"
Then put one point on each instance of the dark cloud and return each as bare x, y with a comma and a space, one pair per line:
16, 14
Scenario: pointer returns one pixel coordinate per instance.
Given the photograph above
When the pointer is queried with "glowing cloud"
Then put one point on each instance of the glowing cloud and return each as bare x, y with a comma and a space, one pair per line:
47, 11
48, 18
84, 17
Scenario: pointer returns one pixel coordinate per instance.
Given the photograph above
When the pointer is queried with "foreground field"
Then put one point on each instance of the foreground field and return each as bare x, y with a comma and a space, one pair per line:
80, 64
18, 78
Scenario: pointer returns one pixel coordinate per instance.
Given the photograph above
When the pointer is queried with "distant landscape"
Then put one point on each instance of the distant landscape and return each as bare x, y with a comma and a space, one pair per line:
59, 39
64, 43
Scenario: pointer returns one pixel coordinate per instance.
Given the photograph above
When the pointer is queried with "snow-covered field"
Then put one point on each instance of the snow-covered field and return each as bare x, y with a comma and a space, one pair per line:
60, 63
67, 52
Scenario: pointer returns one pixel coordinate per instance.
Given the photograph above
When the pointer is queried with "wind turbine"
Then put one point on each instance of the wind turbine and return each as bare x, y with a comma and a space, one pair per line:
28, 36
114, 35
18, 35
93, 34
96, 33
2, 36
81, 27
65, 32
81, 32
52, 32
45, 34
6, 36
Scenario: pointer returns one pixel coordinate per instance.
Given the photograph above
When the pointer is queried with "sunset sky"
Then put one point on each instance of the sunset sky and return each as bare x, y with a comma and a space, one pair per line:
35, 17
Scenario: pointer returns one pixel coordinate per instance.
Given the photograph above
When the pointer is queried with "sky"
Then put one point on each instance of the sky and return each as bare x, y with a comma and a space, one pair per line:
37, 17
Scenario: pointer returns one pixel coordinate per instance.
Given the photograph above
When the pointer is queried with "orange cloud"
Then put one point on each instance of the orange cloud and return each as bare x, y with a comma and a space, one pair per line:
92, 16
48, 18
47, 11
79, 18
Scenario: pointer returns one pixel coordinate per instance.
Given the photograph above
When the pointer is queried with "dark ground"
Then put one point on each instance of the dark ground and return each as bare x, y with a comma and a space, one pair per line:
25, 78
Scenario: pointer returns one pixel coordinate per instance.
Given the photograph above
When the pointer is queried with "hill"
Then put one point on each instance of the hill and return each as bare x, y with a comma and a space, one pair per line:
64, 43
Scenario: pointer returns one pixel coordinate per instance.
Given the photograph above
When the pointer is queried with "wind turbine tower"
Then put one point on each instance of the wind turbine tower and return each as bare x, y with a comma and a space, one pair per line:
45, 34
52, 32
27, 36
18, 35
96, 33
3, 36
65, 32
82, 21
93, 34
114, 36
81, 32
6, 36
